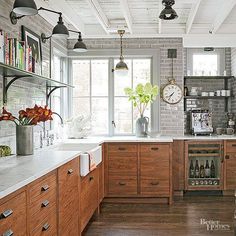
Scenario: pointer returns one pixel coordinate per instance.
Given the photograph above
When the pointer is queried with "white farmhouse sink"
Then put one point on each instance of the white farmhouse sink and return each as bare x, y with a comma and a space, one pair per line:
92, 149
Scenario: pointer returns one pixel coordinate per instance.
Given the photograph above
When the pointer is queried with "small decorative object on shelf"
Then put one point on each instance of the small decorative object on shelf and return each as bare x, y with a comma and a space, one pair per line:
24, 126
141, 97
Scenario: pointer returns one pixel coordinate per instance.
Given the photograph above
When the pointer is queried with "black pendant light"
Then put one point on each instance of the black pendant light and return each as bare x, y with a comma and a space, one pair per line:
25, 7
121, 65
80, 45
60, 30
168, 13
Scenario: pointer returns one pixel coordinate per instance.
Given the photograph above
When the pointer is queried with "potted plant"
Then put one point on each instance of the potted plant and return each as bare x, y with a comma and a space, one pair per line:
141, 97
25, 122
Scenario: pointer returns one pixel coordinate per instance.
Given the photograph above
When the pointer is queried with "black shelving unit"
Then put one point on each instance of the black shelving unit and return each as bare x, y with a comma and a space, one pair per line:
225, 78
11, 74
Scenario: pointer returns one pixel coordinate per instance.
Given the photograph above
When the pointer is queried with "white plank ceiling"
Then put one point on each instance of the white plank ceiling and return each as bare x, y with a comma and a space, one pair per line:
102, 18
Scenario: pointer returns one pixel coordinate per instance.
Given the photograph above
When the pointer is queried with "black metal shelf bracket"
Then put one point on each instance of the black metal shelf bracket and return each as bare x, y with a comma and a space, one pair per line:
50, 90
6, 85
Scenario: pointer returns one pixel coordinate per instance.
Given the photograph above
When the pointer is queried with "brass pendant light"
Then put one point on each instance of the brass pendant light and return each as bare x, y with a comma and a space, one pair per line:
121, 65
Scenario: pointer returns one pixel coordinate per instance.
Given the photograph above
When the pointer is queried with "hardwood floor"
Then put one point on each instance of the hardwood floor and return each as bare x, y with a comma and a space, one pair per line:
183, 218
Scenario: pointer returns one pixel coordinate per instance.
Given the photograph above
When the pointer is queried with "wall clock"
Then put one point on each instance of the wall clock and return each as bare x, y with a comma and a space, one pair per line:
172, 93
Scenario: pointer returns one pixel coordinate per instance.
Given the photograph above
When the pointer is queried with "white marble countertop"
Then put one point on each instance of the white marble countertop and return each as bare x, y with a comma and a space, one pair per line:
18, 171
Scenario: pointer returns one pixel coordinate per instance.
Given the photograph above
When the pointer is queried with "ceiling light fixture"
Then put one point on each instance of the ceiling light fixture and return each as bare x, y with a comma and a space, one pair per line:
27, 8
168, 13
80, 45
121, 65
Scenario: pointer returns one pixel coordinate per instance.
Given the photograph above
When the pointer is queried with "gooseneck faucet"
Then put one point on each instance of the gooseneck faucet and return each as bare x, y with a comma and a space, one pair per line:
55, 113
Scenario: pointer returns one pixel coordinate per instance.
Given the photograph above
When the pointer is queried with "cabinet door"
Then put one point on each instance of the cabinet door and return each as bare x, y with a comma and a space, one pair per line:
230, 162
101, 182
68, 198
13, 216
155, 170
89, 197
122, 169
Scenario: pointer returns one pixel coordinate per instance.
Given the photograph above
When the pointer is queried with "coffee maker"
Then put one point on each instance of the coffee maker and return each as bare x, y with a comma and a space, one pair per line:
201, 122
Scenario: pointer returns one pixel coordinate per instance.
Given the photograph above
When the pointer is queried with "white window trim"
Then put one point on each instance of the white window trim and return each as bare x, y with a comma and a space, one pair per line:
220, 52
154, 54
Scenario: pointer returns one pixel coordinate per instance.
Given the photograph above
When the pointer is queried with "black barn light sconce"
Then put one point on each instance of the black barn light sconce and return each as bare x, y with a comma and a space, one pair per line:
168, 13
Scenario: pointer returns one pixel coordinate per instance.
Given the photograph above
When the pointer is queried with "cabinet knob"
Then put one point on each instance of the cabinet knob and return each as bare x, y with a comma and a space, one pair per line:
46, 227
155, 148
154, 183
6, 214
45, 188
70, 171
122, 183
226, 156
8, 233
45, 203
91, 178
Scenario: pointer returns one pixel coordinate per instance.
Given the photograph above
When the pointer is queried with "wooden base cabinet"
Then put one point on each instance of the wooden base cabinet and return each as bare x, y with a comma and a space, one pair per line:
230, 165
68, 204
138, 170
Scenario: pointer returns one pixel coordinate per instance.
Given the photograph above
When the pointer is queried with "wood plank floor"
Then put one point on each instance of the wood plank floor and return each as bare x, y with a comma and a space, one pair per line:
183, 218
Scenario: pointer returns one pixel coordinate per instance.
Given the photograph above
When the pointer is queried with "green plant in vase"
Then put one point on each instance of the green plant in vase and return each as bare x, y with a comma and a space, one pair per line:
142, 96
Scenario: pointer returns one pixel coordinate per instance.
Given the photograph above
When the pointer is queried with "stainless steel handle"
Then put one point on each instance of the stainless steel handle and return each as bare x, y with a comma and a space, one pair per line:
8, 233
70, 171
45, 203
6, 214
45, 188
122, 149
122, 183
155, 148
46, 227
154, 183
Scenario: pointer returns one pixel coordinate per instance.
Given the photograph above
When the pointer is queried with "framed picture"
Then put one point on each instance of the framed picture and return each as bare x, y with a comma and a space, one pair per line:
33, 50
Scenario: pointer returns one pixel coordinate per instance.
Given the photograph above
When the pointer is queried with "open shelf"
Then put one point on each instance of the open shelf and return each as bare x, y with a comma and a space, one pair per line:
208, 77
205, 97
11, 74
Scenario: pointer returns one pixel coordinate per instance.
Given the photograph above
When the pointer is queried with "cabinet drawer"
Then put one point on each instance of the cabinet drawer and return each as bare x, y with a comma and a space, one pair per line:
122, 186
160, 150
89, 197
13, 216
122, 148
160, 187
231, 146
39, 189
48, 226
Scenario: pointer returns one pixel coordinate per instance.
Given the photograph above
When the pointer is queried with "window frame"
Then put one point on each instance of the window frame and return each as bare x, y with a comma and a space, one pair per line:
111, 55
220, 52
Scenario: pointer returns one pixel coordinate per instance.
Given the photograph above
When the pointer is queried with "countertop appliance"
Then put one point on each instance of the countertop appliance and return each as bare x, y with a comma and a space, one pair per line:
201, 122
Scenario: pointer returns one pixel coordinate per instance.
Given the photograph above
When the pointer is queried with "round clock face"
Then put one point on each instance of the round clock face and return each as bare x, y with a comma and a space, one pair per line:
172, 93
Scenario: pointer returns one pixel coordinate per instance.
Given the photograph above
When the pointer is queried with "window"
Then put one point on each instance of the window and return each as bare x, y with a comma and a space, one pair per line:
101, 94
202, 63
90, 95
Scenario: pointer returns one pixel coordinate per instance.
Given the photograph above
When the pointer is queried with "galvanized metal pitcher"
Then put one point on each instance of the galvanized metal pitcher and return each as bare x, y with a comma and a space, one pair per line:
24, 140
142, 126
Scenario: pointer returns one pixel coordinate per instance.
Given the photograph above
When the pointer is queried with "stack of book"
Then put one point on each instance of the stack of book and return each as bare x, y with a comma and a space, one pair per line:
15, 53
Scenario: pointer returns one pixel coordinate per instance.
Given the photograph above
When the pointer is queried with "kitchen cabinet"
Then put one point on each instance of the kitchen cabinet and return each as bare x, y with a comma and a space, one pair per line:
101, 182
230, 165
89, 199
155, 170
68, 198
122, 168
13, 214
138, 170
42, 205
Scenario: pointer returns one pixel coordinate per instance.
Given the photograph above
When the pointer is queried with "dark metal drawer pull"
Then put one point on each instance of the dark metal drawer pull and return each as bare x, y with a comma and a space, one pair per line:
8, 233
122, 184
226, 156
122, 149
45, 203
45, 188
154, 148
6, 214
91, 178
70, 171
154, 183
233, 145
46, 227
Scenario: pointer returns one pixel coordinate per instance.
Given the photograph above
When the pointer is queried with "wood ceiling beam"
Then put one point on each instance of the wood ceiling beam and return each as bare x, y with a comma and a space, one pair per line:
192, 15
99, 14
223, 14
126, 11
